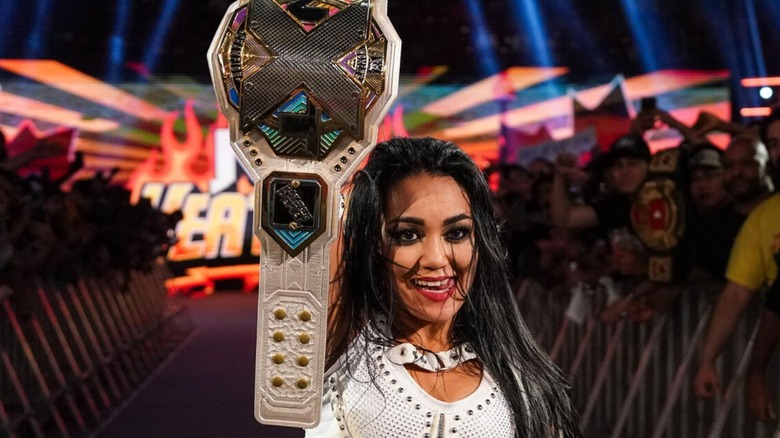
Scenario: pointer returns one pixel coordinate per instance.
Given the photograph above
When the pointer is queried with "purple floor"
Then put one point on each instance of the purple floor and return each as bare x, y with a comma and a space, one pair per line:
206, 388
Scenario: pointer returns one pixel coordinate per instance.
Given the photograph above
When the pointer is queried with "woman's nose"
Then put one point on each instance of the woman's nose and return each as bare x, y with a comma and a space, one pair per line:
434, 254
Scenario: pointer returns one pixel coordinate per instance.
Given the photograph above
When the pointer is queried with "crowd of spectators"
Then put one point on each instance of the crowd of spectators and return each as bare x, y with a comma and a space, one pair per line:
569, 230
91, 228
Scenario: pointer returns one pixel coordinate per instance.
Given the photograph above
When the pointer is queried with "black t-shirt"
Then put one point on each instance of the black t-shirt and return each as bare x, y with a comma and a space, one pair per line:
712, 236
613, 212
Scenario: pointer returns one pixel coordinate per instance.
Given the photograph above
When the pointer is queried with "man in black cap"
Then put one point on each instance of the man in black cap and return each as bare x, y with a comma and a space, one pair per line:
708, 190
716, 219
624, 171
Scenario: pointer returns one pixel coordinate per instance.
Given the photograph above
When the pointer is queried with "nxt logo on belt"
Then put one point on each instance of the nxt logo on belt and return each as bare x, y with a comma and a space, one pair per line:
320, 107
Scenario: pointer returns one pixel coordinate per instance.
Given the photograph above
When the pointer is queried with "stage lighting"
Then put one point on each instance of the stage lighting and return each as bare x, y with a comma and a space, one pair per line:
156, 43
481, 39
528, 14
766, 91
116, 58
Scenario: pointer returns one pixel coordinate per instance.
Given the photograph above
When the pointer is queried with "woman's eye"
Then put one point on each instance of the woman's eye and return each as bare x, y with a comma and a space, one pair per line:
405, 236
457, 234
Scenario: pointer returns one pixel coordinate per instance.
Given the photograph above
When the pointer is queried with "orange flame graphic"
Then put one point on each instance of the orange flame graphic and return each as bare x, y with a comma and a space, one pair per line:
191, 160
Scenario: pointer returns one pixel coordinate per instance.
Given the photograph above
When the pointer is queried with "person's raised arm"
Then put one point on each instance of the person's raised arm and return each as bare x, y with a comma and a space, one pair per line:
688, 132
563, 212
708, 122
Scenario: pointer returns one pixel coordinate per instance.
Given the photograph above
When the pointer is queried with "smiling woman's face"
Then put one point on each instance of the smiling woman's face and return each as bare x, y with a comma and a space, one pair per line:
429, 245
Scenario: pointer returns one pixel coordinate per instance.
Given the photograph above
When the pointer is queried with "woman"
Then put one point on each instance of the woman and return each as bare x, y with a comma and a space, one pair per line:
425, 338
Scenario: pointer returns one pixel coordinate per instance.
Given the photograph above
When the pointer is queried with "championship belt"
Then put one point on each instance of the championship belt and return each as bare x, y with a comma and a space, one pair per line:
303, 84
658, 215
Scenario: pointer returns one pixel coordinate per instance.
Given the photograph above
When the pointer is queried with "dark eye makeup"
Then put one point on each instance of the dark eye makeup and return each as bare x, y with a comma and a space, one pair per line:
408, 235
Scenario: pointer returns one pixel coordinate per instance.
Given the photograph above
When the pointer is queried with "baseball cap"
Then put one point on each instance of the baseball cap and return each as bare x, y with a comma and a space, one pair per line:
705, 158
629, 146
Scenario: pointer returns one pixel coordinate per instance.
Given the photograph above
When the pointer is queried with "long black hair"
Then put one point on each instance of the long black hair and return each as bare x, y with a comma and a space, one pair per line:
489, 319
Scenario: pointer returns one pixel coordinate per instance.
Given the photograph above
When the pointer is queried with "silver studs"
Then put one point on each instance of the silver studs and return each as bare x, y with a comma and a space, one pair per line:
387, 373
470, 412
487, 402
409, 398
479, 407
492, 395
427, 424
400, 390
429, 414
457, 418
453, 430
393, 382
417, 407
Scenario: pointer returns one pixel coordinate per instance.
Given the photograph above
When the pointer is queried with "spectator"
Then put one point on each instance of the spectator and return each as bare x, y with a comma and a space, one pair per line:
716, 218
708, 190
520, 227
517, 183
769, 132
751, 267
626, 169
746, 174
541, 167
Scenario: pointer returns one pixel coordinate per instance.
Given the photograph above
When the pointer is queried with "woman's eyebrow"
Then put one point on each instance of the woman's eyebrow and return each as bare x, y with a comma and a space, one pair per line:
419, 221
406, 219
456, 218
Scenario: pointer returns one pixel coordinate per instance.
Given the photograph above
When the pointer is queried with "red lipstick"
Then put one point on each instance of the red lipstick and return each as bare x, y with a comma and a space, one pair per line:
435, 288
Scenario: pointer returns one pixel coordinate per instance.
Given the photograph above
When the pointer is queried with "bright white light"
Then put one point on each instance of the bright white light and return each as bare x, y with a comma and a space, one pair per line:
765, 92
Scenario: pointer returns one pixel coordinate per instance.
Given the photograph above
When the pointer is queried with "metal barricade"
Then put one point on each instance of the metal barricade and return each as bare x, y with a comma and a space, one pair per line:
632, 379
70, 353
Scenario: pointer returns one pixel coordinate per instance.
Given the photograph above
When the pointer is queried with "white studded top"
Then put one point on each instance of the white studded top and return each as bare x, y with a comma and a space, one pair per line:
394, 405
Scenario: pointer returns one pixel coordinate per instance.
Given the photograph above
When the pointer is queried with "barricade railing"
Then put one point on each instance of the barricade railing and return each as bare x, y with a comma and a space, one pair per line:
633, 379
72, 352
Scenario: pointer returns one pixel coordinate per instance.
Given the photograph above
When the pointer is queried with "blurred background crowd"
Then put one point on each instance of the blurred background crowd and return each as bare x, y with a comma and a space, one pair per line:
568, 224
64, 228
623, 235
